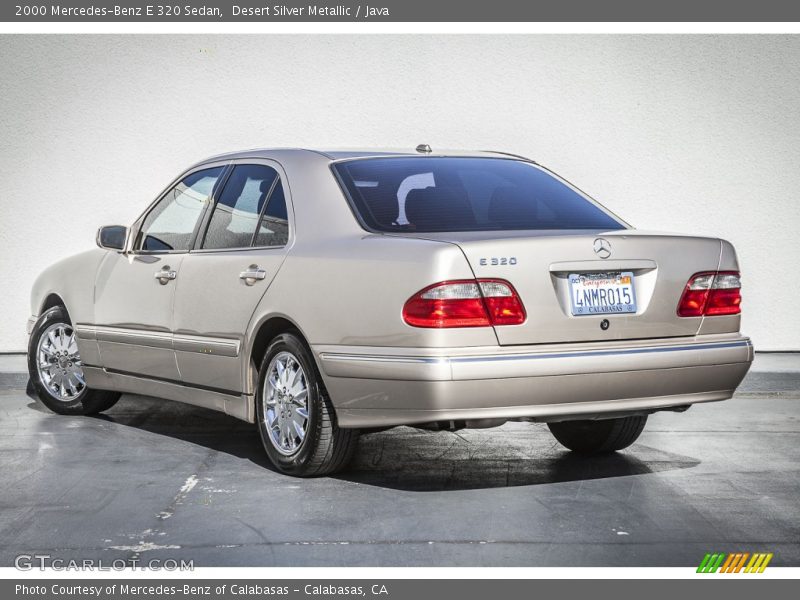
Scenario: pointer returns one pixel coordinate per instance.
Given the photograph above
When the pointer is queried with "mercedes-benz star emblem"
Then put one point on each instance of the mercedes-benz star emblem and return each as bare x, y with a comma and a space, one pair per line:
602, 248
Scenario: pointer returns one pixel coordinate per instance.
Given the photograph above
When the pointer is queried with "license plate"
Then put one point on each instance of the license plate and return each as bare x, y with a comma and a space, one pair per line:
602, 293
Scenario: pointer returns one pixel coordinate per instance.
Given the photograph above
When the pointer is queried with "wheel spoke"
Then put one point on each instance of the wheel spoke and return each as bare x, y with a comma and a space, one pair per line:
61, 338
299, 420
273, 382
298, 387
55, 379
299, 430
300, 399
292, 367
296, 376
291, 437
285, 437
280, 369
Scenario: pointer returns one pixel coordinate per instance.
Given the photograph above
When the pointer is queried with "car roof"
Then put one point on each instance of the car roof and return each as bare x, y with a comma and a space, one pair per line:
353, 153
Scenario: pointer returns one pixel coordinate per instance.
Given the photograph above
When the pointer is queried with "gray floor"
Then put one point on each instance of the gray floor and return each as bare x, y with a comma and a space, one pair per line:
156, 479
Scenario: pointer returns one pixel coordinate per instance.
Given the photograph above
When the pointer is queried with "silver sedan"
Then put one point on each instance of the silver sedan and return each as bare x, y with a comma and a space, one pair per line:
322, 293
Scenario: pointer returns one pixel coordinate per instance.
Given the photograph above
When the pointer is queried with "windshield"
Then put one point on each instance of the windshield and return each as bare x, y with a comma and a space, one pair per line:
436, 194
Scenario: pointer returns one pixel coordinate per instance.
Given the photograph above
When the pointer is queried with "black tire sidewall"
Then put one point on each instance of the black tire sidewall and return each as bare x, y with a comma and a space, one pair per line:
598, 437
50, 317
296, 463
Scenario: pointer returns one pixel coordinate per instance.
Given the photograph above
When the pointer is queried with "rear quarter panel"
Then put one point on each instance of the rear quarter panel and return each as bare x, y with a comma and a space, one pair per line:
351, 291
726, 323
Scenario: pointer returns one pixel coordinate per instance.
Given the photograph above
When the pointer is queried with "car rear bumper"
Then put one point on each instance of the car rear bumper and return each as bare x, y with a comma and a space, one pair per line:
378, 387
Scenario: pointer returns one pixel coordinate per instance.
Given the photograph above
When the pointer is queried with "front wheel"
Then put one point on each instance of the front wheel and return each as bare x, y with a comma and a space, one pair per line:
597, 437
295, 417
56, 370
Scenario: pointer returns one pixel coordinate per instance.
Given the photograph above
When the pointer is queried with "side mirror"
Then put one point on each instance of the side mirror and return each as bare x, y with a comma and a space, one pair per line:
112, 237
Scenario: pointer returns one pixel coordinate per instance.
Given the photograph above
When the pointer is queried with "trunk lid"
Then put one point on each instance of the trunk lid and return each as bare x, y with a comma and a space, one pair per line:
539, 264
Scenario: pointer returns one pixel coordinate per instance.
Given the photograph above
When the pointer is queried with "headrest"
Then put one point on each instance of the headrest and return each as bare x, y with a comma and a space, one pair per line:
382, 203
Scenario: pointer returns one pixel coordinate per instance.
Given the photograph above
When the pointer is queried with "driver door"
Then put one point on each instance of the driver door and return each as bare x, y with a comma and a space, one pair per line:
135, 290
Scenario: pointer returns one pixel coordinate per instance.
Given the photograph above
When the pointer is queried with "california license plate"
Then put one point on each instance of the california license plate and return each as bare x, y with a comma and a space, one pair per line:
602, 293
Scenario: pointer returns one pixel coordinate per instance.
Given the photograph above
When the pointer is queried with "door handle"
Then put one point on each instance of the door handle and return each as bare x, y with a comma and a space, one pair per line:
165, 275
253, 274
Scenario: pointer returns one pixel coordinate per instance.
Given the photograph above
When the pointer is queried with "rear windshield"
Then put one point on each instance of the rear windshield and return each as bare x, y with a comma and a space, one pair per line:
433, 194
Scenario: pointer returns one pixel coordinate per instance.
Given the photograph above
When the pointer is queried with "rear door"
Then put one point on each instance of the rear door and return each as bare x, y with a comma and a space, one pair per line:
244, 243
135, 291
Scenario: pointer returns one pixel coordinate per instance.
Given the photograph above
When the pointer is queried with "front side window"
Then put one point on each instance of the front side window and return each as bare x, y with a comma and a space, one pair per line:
240, 206
438, 194
170, 224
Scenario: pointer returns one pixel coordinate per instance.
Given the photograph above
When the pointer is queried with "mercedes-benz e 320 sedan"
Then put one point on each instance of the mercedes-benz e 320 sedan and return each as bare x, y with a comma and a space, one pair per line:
319, 293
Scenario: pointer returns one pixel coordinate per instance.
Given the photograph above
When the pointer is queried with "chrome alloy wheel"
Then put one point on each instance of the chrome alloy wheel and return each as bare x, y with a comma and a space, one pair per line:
59, 363
286, 403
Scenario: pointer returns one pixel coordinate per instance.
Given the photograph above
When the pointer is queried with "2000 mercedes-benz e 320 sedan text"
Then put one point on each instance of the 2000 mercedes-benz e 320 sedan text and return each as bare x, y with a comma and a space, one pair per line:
317, 294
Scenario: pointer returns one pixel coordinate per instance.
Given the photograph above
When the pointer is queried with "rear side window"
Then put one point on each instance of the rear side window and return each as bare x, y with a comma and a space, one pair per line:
435, 194
273, 230
240, 206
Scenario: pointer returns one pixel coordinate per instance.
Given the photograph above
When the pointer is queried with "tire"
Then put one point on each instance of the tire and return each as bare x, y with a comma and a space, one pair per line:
60, 386
598, 437
324, 448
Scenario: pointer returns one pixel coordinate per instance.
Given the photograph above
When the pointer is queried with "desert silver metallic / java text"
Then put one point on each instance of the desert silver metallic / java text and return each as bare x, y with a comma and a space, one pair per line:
286, 403
59, 363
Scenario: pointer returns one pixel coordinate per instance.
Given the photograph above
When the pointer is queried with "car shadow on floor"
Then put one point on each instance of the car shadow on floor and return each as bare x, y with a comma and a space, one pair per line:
519, 454
404, 458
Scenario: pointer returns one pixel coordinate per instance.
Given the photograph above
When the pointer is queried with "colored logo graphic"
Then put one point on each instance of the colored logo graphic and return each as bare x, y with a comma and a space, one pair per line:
735, 563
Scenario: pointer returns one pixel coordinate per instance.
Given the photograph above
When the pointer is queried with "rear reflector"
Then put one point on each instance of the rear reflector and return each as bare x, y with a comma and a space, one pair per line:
465, 303
711, 293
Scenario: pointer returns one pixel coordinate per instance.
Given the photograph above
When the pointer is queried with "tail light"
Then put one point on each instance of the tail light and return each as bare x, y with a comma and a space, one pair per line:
465, 303
711, 293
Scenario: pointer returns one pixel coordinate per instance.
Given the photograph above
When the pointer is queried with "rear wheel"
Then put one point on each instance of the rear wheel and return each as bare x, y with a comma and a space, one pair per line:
295, 417
56, 370
597, 437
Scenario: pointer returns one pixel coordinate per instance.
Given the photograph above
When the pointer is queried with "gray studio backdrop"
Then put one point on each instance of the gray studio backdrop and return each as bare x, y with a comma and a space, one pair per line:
697, 134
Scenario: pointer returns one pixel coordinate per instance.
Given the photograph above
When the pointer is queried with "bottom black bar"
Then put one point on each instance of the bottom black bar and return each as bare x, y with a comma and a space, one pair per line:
742, 586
